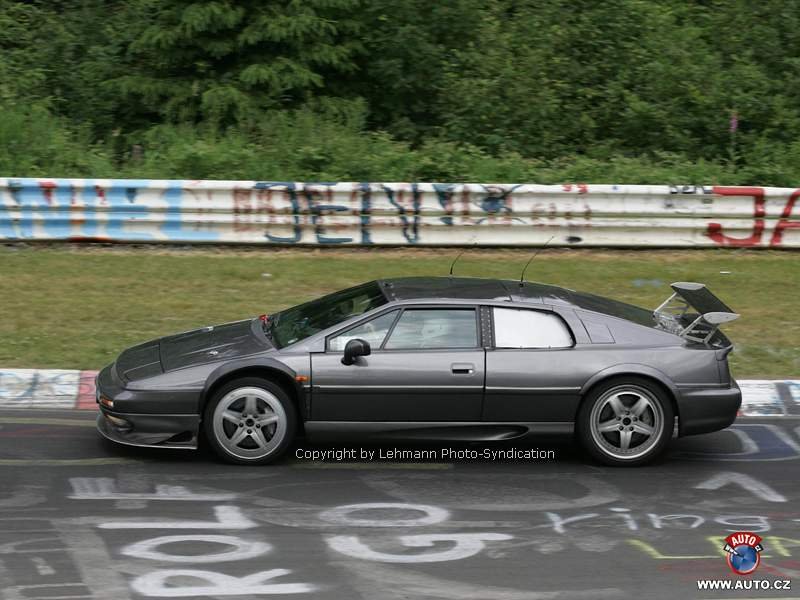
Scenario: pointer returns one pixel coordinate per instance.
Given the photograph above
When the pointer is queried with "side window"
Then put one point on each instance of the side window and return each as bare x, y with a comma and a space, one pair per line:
434, 328
522, 328
373, 331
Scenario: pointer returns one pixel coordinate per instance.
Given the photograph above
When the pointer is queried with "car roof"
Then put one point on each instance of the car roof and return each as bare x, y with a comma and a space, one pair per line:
504, 290
473, 288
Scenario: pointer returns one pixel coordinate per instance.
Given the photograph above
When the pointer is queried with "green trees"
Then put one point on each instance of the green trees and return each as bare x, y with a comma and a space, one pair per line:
637, 90
227, 61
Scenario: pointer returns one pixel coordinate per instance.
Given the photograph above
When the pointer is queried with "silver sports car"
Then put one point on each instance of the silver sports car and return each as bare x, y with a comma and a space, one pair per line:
429, 358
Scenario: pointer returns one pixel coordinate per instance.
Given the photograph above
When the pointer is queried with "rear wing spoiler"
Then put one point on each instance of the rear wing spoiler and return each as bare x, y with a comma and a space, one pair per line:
676, 316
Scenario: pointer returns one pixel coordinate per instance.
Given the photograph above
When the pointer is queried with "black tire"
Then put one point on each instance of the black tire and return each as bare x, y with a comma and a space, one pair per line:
603, 425
264, 411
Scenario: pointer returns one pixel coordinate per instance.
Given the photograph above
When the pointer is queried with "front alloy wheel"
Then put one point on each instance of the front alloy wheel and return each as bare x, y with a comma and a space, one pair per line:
250, 421
625, 422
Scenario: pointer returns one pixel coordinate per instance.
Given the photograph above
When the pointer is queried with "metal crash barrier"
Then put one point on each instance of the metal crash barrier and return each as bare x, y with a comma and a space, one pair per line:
268, 212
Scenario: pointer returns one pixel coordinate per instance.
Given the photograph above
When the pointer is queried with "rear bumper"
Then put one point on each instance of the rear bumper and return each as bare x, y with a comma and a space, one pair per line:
703, 410
149, 431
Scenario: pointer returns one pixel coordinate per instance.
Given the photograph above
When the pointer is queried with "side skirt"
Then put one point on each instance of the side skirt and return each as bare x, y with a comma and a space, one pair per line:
419, 430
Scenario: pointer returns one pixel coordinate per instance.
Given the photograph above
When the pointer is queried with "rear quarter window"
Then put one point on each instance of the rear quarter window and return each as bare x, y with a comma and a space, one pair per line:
525, 328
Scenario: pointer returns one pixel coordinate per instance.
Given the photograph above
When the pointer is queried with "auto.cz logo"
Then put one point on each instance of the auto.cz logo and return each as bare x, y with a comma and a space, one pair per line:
743, 555
782, 585
743, 552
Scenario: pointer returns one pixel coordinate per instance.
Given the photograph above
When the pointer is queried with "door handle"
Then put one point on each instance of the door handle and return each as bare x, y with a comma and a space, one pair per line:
462, 368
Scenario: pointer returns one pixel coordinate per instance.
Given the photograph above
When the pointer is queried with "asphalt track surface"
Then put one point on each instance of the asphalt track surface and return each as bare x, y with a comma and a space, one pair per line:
84, 518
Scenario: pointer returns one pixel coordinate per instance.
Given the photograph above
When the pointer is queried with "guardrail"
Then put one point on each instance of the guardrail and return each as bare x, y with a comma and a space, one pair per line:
398, 213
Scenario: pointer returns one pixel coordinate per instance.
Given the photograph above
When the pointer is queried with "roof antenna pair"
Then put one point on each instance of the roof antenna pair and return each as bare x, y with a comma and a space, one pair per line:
521, 277
535, 254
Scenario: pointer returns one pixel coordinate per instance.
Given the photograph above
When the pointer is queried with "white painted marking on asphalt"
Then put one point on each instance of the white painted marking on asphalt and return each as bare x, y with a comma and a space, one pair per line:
466, 545
623, 513
105, 488
558, 522
240, 549
754, 523
746, 482
658, 521
217, 584
340, 515
90, 556
42, 566
17, 547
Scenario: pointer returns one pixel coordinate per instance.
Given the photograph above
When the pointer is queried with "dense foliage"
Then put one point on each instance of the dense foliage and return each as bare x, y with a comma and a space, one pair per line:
636, 91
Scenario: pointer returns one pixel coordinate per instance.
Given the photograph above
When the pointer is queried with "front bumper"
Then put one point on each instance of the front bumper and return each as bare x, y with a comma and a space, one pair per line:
140, 428
703, 410
149, 431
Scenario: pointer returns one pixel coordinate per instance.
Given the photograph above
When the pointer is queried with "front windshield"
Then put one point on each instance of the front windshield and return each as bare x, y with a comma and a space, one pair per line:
299, 322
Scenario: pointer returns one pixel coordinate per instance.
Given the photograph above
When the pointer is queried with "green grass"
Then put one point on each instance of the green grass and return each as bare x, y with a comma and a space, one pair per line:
77, 307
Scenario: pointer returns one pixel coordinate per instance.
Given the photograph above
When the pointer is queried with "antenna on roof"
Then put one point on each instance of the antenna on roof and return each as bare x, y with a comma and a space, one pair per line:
455, 260
530, 260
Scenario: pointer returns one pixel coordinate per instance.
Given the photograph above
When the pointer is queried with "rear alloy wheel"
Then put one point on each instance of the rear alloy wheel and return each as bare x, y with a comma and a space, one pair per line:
625, 422
250, 421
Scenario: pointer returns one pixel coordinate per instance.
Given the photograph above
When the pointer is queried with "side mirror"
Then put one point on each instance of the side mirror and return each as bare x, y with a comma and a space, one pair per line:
354, 349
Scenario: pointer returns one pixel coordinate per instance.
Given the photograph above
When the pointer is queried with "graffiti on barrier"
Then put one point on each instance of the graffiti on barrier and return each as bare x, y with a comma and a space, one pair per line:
46, 388
26, 388
787, 220
367, 213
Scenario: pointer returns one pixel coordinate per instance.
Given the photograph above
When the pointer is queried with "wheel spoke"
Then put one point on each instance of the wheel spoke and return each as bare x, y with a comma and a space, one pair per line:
625, 439
238, 436
640, 406
259, 438
250, 405
268, 420
231, 416
607, 426
616, 405
643, 428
